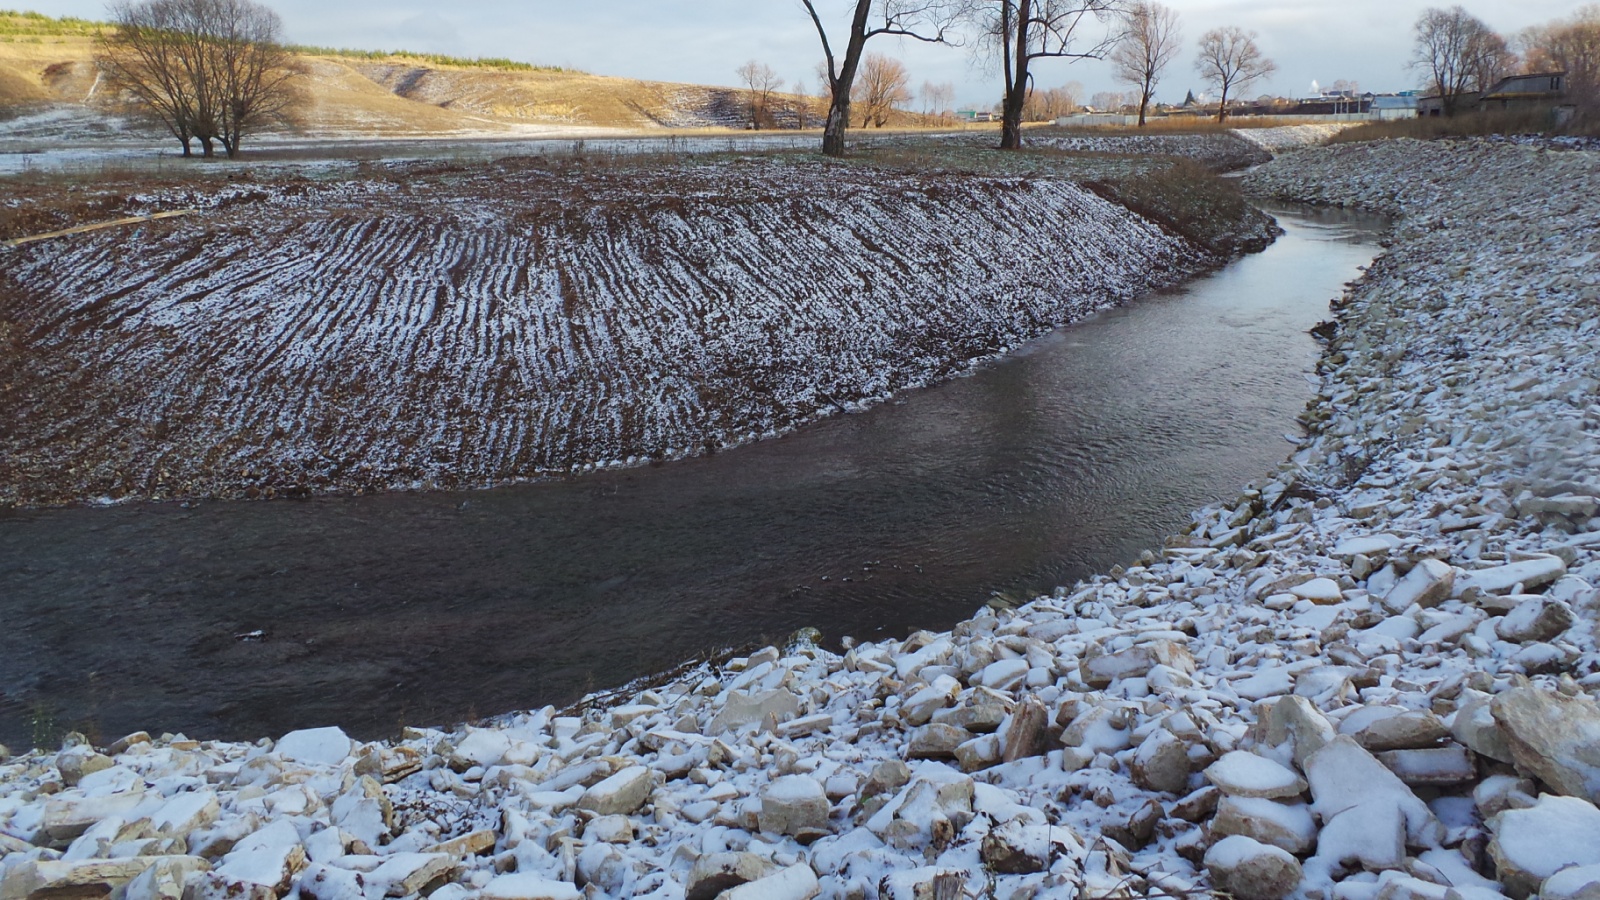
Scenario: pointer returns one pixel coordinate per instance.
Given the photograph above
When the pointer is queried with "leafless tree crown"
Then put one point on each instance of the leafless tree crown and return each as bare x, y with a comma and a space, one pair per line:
881, 86
1456, 52
1149, 43
760, 84
930, 21
1021, 32
1570, 45
210, 70
1231, 60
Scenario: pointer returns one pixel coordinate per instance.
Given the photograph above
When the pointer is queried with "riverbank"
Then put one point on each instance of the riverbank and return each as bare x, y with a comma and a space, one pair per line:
1354, 681
295, 337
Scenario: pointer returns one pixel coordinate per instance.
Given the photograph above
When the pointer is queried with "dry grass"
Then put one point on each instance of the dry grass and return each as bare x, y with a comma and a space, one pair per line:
1181, 125
1467, 125
1189, 199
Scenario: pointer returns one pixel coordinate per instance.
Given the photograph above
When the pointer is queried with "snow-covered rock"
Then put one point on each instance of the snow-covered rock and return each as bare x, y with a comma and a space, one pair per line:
1533, 844
1251, 870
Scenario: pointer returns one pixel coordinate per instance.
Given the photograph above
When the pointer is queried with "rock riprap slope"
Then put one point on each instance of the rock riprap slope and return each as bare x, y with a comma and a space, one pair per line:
1371, 677
461, 327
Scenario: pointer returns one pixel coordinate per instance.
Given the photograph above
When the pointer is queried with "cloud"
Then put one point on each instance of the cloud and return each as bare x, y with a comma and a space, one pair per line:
703, 41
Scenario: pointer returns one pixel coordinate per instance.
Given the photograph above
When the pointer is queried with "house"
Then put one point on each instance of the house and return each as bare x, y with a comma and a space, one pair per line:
1526, 91
1433, 105
1395, 106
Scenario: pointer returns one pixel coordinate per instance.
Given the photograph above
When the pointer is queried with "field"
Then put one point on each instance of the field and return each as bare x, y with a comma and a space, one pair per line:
457, 326
47, 64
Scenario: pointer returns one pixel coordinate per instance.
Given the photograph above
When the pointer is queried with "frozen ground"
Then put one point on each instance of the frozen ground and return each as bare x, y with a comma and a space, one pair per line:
460, 326
1371, 677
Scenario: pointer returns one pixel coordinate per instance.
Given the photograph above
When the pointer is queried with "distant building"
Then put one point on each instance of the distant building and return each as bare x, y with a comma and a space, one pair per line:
1394, 106
1433, 105
1526, 91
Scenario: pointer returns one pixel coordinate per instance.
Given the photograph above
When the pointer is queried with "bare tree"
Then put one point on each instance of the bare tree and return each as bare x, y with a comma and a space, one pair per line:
210, 70
938, 99
881, 86
1572, 46
1148, 45
1024, 31
252, 67
760, 83
1052, 103
1453, 51
1111, 101
1489, 59
930, 21
1230, 59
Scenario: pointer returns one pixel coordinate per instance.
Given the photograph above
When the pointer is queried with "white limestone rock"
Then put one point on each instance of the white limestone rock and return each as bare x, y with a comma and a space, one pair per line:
1344, 776
796, 882
529, 887
1429, 583
1293, 722
1289, 826
714, 873
1135, 662
83, 877
1251, 870
1536, 619
1474, 725
1533, 844
621, 794
1162, 763
741, 709
1394, 728
794, 805
1243, 774
1553, 737
1575, 883
1432, 767
328, 746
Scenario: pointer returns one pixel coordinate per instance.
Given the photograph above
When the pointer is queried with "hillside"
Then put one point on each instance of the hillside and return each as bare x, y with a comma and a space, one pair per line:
47, 65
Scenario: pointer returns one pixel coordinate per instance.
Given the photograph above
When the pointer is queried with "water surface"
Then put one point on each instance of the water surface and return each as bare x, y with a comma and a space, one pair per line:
1072, 455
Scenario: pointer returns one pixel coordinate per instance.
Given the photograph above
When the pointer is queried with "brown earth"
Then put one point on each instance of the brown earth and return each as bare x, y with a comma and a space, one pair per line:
398, 97
459, 326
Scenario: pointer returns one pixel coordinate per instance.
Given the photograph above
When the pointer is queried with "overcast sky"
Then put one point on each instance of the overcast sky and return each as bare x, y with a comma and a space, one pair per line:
703, 41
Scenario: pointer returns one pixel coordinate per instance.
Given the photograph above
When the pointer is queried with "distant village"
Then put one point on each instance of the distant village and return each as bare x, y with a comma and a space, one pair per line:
1543, 90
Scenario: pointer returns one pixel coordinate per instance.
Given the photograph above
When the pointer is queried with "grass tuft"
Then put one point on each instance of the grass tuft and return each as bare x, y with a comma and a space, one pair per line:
433, 59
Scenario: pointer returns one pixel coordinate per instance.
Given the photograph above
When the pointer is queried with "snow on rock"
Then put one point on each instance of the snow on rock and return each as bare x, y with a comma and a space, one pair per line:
1241, 774
1552, 737
315, 746
1251, 870
1576, 883
797, 882
512, 322
794, 804
1453, 434
1533, 844
529, 887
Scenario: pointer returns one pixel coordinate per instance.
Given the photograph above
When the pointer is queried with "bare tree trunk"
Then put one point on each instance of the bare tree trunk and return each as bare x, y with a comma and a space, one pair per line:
1016, 72
1011, 121
1222, 108
838, 121
1144, 104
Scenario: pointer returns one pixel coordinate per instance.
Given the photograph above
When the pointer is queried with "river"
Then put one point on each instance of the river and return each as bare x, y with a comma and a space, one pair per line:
237, 620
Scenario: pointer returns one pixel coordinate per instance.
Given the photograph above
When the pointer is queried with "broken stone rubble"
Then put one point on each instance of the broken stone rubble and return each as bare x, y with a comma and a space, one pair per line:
1361, 652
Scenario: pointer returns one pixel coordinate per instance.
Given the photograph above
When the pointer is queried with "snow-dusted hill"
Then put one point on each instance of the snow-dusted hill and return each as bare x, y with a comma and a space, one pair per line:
463, 327
1372, 677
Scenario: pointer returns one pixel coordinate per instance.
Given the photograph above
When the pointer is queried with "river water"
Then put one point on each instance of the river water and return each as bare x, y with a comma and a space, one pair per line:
237, 620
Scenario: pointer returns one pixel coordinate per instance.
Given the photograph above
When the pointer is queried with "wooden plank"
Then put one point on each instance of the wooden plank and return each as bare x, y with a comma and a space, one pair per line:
132, 220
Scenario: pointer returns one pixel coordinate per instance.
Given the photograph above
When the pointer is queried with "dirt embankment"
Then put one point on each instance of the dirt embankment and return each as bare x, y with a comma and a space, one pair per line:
463, 327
